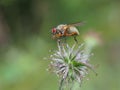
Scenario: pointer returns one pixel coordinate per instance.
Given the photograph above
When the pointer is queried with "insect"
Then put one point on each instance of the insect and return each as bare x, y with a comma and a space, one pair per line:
65, 30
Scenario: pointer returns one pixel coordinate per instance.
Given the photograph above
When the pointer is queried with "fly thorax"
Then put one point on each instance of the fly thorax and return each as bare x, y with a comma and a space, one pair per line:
60, 28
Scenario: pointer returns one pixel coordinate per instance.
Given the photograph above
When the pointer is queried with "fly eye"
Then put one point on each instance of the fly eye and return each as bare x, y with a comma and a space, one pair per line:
53, 30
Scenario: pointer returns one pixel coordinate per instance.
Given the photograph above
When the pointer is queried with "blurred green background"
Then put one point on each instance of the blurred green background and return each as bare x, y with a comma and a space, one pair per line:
25, 39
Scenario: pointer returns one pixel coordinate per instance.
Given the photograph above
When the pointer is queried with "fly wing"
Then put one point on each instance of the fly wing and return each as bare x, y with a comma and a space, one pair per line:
77, 24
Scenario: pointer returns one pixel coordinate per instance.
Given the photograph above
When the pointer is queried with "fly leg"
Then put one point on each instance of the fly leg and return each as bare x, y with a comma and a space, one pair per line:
59, 42
75, 39
65, 40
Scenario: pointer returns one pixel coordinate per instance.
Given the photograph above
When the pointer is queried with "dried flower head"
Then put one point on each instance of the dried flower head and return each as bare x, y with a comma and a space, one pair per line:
71, 64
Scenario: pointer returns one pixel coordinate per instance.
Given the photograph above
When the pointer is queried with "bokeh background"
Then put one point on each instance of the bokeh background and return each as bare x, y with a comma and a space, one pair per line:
25, 39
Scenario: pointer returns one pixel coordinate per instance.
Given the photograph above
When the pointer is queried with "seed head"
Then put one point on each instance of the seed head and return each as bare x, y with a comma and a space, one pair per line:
71, 64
